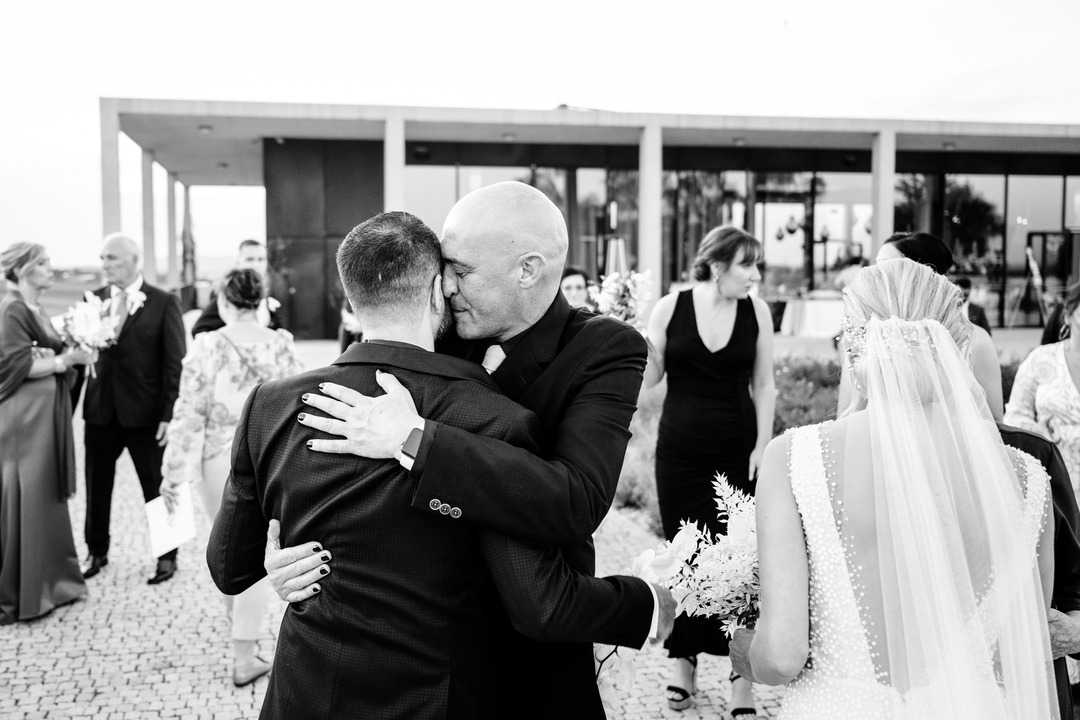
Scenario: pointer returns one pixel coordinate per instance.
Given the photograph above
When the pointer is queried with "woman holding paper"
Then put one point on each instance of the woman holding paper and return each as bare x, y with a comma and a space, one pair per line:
220, 369
39, 569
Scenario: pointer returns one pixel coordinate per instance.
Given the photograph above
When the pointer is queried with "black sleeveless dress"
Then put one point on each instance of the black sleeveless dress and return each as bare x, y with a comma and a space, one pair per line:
707, 426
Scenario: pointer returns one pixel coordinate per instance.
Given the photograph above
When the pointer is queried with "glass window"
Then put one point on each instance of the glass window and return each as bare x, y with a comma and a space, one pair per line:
1033, 222
780, 203
1072, 203
843, 209
695, 202
913, 202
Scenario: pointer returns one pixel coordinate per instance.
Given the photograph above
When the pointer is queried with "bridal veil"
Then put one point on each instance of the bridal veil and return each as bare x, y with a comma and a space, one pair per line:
939, 520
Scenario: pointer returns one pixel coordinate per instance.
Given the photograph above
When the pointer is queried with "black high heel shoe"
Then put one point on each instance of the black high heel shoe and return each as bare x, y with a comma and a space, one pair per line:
679, 698
747, 712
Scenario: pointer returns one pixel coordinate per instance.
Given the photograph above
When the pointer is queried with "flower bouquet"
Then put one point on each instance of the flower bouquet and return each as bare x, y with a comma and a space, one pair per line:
623, 296
88, 326
615, 665
722, 579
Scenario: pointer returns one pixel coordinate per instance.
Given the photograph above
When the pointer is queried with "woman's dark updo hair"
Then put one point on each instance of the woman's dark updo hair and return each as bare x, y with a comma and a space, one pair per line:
243, 289
722, 245
925, 249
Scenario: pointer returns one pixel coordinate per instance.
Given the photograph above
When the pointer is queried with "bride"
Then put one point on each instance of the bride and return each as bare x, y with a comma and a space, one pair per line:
904, 550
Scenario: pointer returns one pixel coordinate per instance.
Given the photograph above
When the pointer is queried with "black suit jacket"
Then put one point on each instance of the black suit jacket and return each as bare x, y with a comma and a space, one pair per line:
580, 373
138, 378
1066, 538
406, 627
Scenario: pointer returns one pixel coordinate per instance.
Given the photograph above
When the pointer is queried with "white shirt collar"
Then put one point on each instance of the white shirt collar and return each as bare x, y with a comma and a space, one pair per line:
133, 287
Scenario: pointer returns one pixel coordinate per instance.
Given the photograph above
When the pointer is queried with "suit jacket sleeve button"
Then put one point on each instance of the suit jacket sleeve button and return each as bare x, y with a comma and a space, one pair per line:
455, 513
435, 504
444, 509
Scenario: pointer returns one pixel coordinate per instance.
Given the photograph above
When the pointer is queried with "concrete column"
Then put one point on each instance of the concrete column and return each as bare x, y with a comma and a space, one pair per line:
149, 255
650, 215
394, 164
883, 164
110, 167
173, 276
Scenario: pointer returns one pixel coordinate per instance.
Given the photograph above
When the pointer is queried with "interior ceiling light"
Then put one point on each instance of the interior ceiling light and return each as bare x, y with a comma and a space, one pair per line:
509, 137
206, 129
739, 142
223, 165
950, 146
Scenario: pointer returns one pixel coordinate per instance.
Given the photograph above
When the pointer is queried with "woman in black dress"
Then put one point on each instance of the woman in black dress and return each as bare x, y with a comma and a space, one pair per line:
714, 343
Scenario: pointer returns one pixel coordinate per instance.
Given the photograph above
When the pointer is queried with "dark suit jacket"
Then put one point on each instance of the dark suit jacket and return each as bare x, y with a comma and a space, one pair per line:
580, 373
210, 319
138, 378
1066, 538
406, 627
977, 316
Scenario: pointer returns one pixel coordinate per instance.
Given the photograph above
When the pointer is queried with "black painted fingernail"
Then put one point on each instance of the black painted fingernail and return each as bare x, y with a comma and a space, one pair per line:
309, 443
316, 589
324, 557
322, 385
301, 417
316, 549
323, 571
305, 397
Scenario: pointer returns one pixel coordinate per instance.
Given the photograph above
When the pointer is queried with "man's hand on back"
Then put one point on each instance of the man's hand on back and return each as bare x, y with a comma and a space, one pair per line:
372, 427
295, 571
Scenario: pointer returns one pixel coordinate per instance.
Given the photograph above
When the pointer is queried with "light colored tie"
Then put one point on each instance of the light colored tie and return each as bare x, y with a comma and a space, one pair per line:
493, 358
120, 302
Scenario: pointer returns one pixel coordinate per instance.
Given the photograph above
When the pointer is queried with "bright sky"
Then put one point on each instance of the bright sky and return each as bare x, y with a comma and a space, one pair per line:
991, 60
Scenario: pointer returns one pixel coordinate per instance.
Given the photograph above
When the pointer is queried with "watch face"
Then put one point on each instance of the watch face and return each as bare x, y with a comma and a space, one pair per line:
411, 446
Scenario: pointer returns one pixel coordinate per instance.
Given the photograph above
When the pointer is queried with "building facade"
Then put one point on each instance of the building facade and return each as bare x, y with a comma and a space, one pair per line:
819, 193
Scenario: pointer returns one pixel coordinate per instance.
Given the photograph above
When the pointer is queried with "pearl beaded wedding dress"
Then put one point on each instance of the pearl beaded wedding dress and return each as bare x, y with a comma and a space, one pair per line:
921, 529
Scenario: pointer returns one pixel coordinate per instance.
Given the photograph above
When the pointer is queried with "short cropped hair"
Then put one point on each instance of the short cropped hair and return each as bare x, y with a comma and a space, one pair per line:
243, 289
722, 245
248, 243
389, 260
570, 270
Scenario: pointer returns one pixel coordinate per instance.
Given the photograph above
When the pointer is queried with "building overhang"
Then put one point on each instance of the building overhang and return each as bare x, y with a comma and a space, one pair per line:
221, 143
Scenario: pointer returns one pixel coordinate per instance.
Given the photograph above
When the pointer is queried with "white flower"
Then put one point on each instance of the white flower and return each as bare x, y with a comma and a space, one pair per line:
272, 304
623, 297
135, 300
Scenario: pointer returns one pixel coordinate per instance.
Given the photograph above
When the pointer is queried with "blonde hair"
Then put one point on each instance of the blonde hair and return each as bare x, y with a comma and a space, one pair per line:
904, 289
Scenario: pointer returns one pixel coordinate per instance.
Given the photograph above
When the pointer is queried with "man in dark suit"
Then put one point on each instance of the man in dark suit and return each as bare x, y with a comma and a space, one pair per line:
1064, 615
407, 628
975, 313
504, 247
129, 404
251, 255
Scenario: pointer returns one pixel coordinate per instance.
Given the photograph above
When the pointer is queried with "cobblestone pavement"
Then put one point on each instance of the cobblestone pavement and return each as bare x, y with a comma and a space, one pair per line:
131, 651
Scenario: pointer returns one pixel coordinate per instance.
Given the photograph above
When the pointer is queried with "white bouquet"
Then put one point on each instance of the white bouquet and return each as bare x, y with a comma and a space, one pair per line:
722, 579
623, 296
88, 325
615, 665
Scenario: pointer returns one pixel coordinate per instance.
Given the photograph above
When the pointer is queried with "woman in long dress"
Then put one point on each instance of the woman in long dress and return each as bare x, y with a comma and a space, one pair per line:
714, 344
903, 547
1046, 392
39, 568
220, 369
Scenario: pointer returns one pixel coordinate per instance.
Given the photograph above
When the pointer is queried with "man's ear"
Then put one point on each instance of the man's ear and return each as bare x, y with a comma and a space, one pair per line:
437, 299
532, 268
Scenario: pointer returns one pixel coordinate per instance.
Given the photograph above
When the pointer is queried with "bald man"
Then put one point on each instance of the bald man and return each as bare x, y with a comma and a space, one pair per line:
504, 247
129, 404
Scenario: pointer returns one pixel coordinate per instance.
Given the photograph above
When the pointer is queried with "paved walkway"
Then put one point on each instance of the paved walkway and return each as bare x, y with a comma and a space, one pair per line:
131, 651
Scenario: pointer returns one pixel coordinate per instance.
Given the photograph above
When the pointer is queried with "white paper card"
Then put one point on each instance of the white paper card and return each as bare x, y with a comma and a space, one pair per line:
169, 531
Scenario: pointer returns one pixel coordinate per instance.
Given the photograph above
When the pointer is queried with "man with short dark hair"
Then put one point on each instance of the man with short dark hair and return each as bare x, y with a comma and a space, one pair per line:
408, 628
504, 247
250, 255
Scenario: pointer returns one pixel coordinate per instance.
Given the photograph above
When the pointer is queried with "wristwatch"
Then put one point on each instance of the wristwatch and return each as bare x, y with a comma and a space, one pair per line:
411, 447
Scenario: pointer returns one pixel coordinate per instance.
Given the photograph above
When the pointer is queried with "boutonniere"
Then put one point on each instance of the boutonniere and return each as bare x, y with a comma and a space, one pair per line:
135, 301
272, 304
